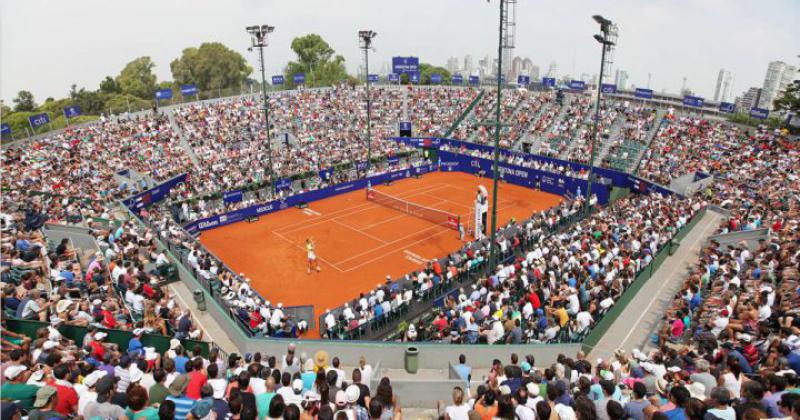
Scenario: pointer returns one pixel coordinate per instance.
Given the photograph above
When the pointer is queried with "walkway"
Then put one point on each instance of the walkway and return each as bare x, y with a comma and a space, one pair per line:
629, 332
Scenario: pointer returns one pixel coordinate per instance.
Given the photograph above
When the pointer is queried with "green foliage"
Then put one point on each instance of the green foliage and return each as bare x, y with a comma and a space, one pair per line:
740, 118
119, 103
212, 66
4, 109
315, 58
109, 85
91, 102
137, 78
790, 101
55, 107
24, 102
426, 70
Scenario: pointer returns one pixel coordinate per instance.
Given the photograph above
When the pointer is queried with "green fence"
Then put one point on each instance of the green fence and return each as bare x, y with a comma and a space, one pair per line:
119, 337
605, 323
464, 114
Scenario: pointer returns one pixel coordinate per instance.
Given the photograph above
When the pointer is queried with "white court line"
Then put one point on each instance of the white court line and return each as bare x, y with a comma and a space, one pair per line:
394, 241
389, 243
359, 231
383, 221
349, 210
398, 249
303, 248
663, 285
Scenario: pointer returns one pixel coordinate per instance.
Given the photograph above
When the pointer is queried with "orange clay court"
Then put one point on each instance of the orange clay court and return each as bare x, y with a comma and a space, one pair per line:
358, 242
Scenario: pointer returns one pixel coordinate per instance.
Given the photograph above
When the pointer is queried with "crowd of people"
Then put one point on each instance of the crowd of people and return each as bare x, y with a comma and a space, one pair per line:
560, 132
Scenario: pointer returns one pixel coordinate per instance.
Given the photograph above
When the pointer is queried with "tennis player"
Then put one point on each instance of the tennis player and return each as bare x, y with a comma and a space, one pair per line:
312, 257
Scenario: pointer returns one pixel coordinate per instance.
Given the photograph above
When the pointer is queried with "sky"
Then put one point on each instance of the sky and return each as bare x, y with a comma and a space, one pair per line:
48, 45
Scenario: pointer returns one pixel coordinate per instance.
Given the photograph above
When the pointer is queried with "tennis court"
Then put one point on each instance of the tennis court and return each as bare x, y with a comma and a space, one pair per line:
358, 242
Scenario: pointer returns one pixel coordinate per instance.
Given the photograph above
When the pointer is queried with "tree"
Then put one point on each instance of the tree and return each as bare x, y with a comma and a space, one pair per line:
790, 101
315, 58
24, 102
426, 70
91, 102
137, 78
4, 109
210, 67
109, 85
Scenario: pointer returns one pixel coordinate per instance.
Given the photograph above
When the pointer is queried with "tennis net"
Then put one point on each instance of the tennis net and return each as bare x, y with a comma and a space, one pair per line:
439, 217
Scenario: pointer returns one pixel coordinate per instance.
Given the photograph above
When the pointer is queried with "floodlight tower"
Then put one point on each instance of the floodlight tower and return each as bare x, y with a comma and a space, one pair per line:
509, 35
365, 43
258, 37
605, 43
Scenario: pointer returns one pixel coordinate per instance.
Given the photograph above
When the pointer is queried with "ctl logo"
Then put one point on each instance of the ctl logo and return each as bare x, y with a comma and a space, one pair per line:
283, 205
475, 163
40, 120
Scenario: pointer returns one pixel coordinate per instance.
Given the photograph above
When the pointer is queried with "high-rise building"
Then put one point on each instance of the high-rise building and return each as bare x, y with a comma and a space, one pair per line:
452, 64
722, 92
779, 76
552, 70
621, 79
469, 66
749, 99
534, 73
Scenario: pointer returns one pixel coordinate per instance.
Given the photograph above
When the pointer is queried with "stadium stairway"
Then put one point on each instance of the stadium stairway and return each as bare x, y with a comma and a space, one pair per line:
184, 143
561, 113
526, 137
655, 296
660, 113
616, 127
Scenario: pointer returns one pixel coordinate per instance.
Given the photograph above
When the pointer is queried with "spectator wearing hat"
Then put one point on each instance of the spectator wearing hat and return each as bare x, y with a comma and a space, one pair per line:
203, 408
11, 411
290, 363
135, 346
295, 397
45, 405
98, 347
88, 392
353, 394
177, 390
103, 407
703, 376
14, 387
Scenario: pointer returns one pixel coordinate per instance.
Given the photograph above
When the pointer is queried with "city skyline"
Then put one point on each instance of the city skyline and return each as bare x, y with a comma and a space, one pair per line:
553, 36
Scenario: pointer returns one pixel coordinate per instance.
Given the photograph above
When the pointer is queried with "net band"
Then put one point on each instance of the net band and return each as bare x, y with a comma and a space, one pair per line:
439, 217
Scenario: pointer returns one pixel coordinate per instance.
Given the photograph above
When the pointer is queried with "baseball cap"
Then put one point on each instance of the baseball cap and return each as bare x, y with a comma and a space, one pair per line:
43, 395
100, 335
341, 398
91, 379
104, 385
533, 389
297, 386
352, 393
12, 372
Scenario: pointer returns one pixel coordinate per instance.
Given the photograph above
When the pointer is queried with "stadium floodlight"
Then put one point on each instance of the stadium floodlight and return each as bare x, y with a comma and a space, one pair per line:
258, 37
605, 44
365, 43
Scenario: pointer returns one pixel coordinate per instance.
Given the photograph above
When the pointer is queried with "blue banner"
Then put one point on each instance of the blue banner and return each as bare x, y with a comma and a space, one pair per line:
456, 79
361, 165
727, 107
523, 80
163, 94
549, 81
405, 125
326, 174
322, 193
608, 88
525, 177
189, 90
393, 160
283, 184
759, 113
413, 77
694, 101
234, 196
39, 120
299, 78
393, 77
577, 84
278, 80
373, 78
474, 80
436, 78
643, 93
155, 194
405, 65
72, 111
5, 128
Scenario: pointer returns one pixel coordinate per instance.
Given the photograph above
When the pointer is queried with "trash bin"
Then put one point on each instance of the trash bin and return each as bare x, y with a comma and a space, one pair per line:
412, 359
200, 298
673, 246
